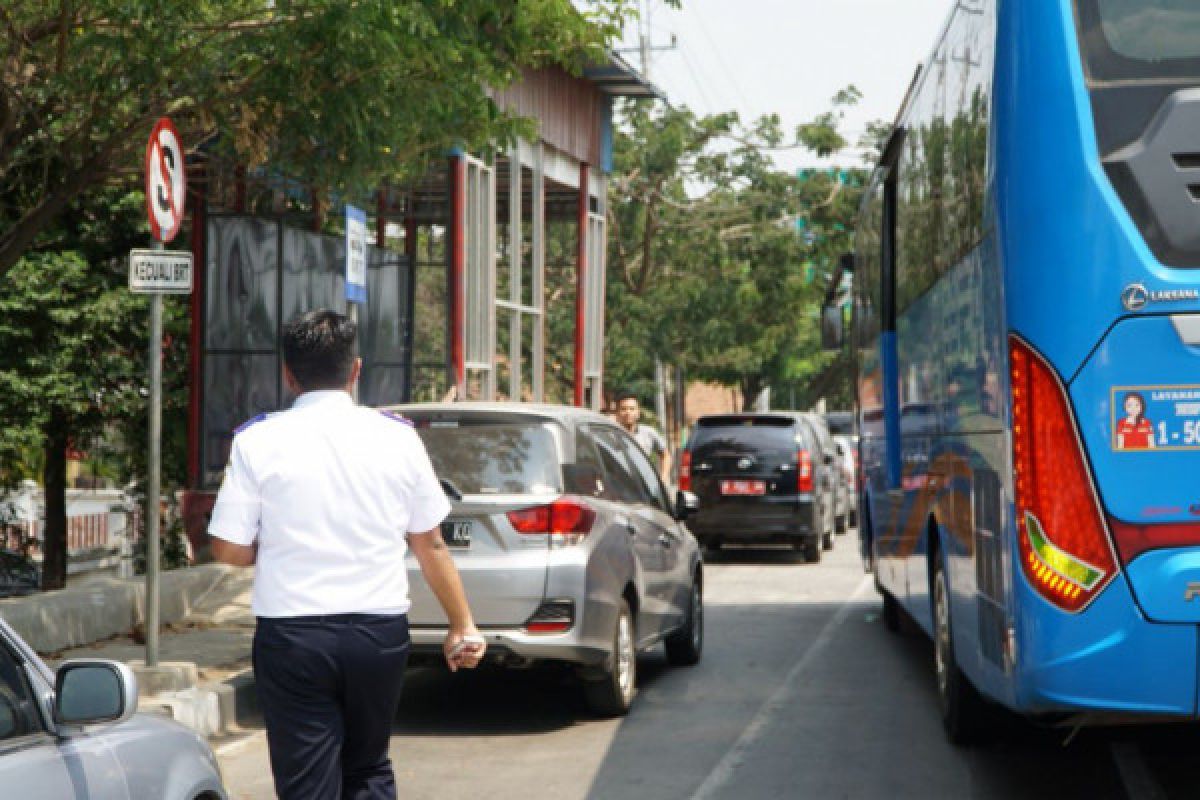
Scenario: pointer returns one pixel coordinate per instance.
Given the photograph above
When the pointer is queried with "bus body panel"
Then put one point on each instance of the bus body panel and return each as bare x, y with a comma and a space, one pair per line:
1061, 249
1106, 658
1166, 583
1144, 357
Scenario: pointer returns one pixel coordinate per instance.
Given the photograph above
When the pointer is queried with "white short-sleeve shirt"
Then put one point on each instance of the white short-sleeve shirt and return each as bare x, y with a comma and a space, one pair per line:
328, 489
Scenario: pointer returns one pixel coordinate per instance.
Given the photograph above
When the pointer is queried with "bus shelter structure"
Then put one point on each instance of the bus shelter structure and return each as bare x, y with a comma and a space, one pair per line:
485, 278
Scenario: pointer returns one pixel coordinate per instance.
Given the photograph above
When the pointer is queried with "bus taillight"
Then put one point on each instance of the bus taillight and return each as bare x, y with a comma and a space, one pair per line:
1065, 549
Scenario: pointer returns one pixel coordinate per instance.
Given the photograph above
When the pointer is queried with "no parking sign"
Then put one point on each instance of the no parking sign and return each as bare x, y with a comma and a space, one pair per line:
166, 181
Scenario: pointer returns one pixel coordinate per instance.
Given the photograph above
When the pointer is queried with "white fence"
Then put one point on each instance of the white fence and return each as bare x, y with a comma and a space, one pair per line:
102, 526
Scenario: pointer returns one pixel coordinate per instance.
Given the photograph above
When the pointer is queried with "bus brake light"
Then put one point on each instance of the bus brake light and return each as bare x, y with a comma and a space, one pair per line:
1065, 549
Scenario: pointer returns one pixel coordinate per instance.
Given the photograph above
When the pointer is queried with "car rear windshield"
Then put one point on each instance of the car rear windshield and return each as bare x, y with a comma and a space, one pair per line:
1140, 39
492, 456
737, 433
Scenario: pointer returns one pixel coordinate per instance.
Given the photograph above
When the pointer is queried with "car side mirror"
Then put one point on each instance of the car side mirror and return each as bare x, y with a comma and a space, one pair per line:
88, 691
686, 504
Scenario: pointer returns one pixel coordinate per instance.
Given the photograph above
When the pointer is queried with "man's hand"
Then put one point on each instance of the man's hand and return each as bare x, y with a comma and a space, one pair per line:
464, 647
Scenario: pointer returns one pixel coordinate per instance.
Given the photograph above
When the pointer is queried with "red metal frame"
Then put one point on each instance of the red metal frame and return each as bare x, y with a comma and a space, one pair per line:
580, 283
196, 330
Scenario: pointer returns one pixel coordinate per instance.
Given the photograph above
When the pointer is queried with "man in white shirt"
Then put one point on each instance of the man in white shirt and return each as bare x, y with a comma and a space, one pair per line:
324, 499
629, 412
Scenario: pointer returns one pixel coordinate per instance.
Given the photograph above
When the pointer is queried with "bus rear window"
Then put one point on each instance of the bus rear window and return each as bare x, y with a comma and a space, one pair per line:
1140, 39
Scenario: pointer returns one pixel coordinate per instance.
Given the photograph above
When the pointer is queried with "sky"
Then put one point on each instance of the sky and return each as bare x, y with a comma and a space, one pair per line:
790, 57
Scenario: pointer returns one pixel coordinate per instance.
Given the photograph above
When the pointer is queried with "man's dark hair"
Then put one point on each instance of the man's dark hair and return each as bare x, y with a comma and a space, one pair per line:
628, 395
319, 347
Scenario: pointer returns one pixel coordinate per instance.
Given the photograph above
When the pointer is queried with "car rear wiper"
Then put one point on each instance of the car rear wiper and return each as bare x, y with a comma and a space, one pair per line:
451, 490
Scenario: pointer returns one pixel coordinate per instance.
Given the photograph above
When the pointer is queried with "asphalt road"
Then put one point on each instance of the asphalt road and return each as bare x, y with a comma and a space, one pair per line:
801, 694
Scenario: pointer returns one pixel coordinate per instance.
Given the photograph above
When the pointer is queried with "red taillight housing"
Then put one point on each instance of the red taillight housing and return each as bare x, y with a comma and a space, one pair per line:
1065, 550
685, 471
804, 472
1132, 539
569, 517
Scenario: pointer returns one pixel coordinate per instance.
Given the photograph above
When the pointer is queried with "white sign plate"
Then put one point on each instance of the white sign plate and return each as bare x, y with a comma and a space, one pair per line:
160, 272
356, 255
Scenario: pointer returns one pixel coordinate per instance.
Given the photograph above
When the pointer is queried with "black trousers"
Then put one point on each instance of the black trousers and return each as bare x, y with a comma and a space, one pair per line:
328, 688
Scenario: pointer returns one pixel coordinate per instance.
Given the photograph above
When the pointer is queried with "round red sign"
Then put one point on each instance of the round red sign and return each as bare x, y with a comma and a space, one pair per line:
166, 181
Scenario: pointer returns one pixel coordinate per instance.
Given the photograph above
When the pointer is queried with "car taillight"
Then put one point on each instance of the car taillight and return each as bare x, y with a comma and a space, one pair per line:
804, 472
685, 471
1065, 550
567, 518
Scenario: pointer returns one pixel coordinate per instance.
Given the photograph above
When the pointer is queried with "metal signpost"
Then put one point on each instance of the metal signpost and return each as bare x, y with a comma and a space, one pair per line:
157, 272
356, 263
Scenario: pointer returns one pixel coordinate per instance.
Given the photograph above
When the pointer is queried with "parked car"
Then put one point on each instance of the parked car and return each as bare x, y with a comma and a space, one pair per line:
840, 423
568, 544
73, 733
847, 448
18, 574
760, 478
831, 462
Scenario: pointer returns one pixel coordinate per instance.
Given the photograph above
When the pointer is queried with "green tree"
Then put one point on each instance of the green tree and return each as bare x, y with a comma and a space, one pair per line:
73, 359
340, 95
718, 261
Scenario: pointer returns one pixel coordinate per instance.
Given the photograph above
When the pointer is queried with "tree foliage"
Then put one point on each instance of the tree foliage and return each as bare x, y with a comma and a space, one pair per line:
337, 94
718, 261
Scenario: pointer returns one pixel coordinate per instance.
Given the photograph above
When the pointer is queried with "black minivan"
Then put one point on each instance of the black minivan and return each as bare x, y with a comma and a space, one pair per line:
761, 478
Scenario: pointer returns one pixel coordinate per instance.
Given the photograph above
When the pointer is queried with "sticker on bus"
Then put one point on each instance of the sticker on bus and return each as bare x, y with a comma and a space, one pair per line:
1155, 418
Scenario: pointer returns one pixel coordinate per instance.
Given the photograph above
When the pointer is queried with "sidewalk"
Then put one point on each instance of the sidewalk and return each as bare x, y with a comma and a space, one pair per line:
203, 678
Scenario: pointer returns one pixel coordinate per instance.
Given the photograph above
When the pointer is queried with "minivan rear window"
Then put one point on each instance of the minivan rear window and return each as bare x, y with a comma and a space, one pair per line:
742, 434
493, 456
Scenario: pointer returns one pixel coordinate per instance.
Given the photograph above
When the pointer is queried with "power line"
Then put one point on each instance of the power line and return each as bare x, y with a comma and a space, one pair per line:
737, 89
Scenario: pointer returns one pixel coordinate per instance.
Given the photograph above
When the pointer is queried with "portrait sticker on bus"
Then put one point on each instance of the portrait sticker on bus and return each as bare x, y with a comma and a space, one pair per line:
1155, 418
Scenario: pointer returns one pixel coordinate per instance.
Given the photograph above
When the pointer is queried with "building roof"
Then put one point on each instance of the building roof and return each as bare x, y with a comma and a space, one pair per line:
617, 78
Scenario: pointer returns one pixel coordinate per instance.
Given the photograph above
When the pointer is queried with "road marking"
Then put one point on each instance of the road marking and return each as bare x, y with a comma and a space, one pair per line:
724, 771
1135, 775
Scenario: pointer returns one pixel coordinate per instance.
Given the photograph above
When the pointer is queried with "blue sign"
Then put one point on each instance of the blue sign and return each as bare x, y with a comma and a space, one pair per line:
356, 255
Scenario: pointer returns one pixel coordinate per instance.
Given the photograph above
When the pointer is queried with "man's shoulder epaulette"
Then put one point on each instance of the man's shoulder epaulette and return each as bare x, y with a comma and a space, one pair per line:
252, 421
396, 416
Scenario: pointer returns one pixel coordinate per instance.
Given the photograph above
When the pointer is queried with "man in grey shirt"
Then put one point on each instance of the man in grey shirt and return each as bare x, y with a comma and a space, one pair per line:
629, 412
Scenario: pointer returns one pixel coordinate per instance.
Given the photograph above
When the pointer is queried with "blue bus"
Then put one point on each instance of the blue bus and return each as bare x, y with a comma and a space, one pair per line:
1026, 333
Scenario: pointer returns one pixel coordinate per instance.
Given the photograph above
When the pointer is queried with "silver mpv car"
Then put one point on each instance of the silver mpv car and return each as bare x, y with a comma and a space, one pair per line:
73, 734
567, 542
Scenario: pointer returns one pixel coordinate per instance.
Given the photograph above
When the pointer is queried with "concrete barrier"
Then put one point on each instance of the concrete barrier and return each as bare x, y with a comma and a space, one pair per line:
105, 607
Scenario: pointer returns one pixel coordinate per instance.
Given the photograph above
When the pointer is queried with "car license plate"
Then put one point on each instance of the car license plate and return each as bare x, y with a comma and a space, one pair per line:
457, 532
743, 488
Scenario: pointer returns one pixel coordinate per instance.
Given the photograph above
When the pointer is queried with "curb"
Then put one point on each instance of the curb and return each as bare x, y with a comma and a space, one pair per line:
211, 709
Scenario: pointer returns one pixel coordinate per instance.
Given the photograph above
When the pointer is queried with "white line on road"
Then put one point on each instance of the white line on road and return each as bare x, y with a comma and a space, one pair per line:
1135, 775
724, 771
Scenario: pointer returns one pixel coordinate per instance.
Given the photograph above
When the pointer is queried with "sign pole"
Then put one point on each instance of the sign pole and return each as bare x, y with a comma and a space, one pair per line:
153, 490
155, 272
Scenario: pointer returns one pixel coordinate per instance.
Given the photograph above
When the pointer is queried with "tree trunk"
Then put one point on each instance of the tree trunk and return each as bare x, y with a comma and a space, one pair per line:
54, 479
751, 386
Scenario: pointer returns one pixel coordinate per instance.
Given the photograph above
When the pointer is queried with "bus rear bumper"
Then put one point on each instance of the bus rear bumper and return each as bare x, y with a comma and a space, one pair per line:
1107, 658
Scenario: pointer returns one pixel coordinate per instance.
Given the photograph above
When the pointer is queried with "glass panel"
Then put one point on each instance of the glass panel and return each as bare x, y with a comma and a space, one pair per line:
429, 345
382, 318
242, 273
492, 457
1138, 39
236, 388
313, 272
621, 481
18, 713
382, 385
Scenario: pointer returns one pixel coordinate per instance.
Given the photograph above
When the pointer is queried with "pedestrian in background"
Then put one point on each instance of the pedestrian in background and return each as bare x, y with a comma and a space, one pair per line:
324, 499
629, 414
